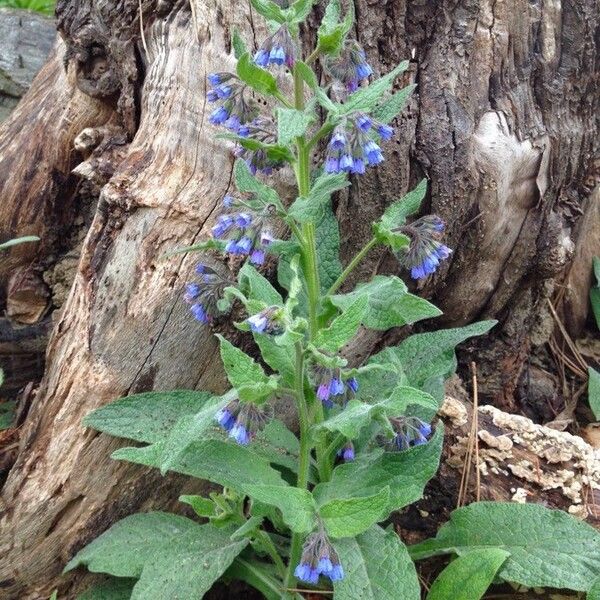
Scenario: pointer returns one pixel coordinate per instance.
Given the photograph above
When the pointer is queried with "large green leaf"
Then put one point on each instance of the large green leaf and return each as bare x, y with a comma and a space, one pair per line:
351, 516
218, 461
314, 206
269, 10
429, 355
257, 287
116, 588
259, 79
296, 505
393, 106
594, 591
172, 556
389, 303
328, 244
343, 328
292, 123
246, 182
594, 391
377, 567
469, 576
548, 548
332, 32
406, 474
148, 417
357, 415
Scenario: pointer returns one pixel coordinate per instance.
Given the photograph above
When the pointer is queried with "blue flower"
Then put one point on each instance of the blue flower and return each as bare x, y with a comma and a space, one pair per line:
203, 296
318, 558
236, 110
278, 49
267, 321
385, 131
219, 116
372, 153
364, 122
351, 67
331, 385
347, 452
242, 421
425, 250
410, 431
258, 323
262, 130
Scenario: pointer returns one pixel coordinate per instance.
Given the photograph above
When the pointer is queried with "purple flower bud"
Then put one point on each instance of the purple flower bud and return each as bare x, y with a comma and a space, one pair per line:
346, 163
261, 58
385, 131
200, 314
258, 323
332, 165
219, 116
364, 123
338, 140
242, 220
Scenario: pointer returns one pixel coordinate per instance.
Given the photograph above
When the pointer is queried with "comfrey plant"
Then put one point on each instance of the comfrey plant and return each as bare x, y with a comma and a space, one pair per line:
300, 513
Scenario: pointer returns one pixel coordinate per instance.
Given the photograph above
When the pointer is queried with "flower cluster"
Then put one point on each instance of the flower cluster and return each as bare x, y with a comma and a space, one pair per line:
242, 421
351, 67
410, 431
236, 110
318, 558
267, 321
278, 49
203, 296
247, 233
425, 250
258, 159
331, 384
352, 146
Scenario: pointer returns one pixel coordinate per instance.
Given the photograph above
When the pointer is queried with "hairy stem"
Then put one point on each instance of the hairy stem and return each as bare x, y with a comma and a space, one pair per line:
353, 263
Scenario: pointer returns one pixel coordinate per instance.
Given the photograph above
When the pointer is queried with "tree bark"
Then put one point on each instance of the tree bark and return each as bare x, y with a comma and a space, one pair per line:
503, 124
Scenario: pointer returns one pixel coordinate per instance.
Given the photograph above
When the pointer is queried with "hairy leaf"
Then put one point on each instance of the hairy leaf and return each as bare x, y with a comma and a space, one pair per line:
594, 391
377, 567
548, 548
394, 105
351, 516
343, 328
389, 303
469, 576
257, 287
163, 551
292, 123
258, 79
115, 588
269, 10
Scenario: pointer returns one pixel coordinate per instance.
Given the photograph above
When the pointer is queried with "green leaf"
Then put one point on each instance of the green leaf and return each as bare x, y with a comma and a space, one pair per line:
548, 548
221, 462
594, 391
20, 240
327, 234
395, 216
246, 182
389, 303
257, 287
393, 106
377, 567
243, 372
307, 74
7, 414
429, 355
352, 516
277, 444
269, 10
406, 474
150, 416
343, 328
331, 33
239, 46
163, 550
296, 505
594, 592
203, 507
260, 576
366, 98
277, 357
317, 204
258, 79
291, 124
116, 588
469, 576
301, 9
357, 415
249, 527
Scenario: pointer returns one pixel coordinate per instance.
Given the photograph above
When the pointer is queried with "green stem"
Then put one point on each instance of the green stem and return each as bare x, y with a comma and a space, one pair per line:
321, 133
311, 272
303, 460
340, 280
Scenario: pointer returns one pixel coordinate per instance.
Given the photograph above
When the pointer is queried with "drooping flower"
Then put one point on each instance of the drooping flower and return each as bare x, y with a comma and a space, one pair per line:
350, 67
318, 558
346, 453
236, 110
242, 421
353, 145
258, 160
425, 251
247, 232
410, 431
203, 295
278, 49
268, 321
331, 384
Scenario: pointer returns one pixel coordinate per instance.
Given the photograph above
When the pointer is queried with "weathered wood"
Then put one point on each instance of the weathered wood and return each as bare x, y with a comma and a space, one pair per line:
503, 124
